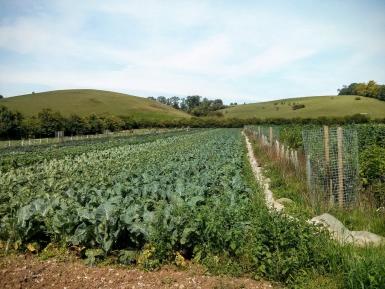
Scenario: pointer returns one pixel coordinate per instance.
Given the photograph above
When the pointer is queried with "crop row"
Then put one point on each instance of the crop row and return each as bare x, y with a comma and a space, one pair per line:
31, 155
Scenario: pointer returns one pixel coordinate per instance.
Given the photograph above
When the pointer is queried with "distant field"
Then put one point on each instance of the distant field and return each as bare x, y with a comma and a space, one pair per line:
315, 106
87, 101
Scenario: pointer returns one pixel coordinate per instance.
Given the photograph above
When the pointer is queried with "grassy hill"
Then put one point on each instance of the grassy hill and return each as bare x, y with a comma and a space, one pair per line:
87, 101
315, 106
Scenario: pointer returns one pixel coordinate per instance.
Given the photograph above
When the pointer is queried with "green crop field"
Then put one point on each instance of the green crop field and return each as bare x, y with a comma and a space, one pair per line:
87, 101
175, 197
315, 106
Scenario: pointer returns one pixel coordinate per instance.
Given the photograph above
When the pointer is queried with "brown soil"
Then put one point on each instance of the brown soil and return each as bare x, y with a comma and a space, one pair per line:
25, 271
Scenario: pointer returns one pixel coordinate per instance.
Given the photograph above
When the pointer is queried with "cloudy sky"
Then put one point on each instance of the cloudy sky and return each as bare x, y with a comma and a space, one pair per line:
244, 51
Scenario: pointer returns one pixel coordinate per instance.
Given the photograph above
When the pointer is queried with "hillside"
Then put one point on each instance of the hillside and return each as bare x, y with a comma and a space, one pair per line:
87, 101
315, 106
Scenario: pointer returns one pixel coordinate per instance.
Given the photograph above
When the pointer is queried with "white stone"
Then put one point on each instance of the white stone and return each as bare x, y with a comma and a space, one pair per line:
285, 201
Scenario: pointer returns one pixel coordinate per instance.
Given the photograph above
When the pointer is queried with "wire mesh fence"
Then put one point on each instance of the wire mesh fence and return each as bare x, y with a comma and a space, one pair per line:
332, 163
328, 156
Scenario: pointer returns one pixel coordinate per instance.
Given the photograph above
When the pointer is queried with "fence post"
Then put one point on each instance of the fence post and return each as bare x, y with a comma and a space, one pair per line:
308, 173
271, 135
277, 147
327, 162
340, 158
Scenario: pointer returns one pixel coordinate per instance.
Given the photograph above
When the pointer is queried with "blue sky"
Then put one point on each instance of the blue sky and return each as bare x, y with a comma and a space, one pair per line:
244, 51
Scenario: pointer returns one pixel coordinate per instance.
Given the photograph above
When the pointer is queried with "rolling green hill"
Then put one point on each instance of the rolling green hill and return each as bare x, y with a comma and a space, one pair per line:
315, 106
87, 101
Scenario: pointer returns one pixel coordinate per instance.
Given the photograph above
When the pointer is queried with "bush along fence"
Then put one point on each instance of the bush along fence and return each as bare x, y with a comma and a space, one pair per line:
327, 156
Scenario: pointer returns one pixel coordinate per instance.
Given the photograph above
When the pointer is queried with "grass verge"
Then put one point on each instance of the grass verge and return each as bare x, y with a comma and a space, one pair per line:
351, 267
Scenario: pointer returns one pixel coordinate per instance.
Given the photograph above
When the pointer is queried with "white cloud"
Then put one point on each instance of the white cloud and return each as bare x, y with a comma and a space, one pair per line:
189, 47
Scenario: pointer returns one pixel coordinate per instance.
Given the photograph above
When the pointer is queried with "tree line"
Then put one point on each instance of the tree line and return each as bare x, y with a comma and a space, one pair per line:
13, 125
194, 104
370, 89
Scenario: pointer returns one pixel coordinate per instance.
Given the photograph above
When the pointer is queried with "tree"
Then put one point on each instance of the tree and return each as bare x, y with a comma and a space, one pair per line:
1, 96
174, 102
113, 123
31, 127
217, 104
370, 89
10, 123
162, 99
75, 125
381, 92
192, 101
95, 124
183, 105
50, 122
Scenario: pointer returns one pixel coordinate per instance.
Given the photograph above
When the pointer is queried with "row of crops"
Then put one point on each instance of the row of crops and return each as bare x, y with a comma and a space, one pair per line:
14, 157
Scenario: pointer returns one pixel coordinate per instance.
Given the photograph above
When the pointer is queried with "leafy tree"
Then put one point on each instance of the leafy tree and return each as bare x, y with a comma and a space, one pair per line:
192, 101
95, 124
113, 123
10, 123
1, 96
183, 104
381, 92
370, 89
75, 125
30, 127
162, 99
174, 102
50, 122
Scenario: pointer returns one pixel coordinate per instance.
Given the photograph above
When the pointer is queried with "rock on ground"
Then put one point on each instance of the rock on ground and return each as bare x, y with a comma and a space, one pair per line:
342, 234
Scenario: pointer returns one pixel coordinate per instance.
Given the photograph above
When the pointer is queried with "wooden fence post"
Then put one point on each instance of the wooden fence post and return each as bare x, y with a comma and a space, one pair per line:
340, 157
271, 135
308, 173
327, 162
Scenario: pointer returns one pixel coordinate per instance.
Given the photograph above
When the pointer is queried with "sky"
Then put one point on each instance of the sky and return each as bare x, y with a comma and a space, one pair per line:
240, 51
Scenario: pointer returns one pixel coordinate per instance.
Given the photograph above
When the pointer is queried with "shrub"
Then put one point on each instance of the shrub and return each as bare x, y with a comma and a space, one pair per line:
372, 171
297, 106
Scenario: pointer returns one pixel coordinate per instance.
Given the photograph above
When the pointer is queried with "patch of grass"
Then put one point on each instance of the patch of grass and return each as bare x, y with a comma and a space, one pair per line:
87, 101
315, 106
361, 217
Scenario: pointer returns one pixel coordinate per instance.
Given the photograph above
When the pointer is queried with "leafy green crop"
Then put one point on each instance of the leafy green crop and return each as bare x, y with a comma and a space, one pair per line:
111, 198
184, 196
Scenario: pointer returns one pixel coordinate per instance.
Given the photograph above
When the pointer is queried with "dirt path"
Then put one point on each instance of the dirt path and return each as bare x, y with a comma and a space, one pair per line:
29, 272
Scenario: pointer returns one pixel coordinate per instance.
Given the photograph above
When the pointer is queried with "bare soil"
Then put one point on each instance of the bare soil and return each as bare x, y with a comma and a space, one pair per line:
27, 271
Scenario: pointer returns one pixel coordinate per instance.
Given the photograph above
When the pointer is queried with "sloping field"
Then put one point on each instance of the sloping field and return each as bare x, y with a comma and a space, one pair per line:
315, 106
87, 101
